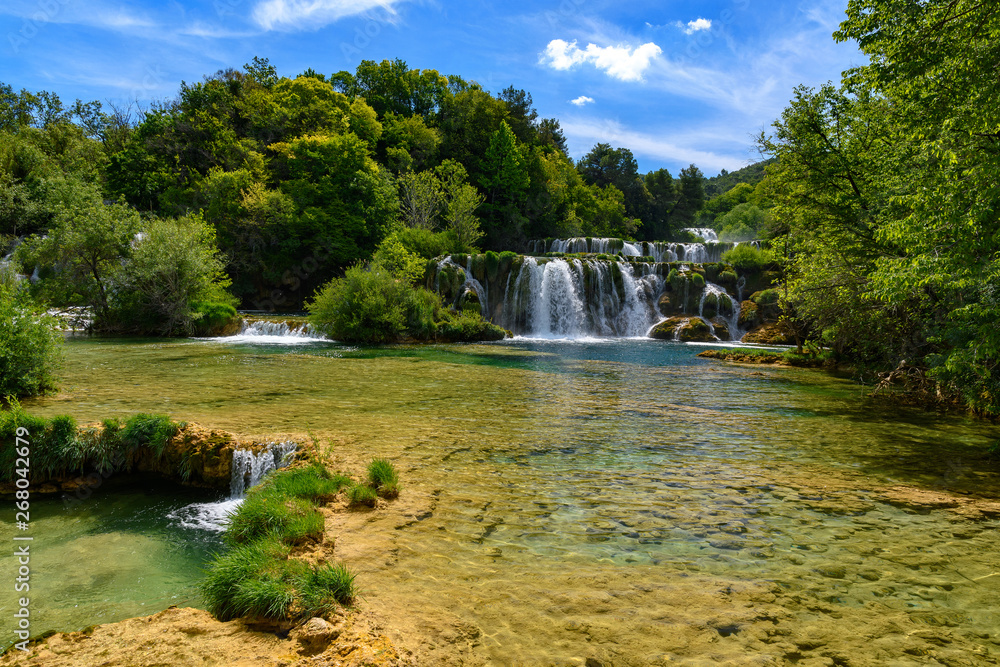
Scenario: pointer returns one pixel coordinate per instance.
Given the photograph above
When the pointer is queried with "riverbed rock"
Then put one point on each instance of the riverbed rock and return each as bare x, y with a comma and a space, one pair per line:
771, 333
314, 636
664, 305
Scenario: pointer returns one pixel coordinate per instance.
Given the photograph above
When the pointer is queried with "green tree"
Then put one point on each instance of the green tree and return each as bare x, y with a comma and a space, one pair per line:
29, 344
690, 197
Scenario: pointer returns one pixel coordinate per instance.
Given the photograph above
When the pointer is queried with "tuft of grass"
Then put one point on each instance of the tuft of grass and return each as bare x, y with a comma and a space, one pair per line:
362, 494
265, 513
382, 474
323, 588
311, 483
227, 575
154, 431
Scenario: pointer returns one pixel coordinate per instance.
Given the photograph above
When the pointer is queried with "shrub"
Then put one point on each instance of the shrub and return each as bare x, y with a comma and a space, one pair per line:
367, 305
698, 280
428, 244
768, 297
208, 317
29, 345
468, 326
746, 257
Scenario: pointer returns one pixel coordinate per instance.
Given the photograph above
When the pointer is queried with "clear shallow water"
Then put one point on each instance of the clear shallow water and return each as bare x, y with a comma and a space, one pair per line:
622, 500
112, 555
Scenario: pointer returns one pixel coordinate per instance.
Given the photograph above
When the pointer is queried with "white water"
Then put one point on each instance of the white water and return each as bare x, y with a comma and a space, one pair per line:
733, 317
274, 333
704, 233
248, 470
581, 298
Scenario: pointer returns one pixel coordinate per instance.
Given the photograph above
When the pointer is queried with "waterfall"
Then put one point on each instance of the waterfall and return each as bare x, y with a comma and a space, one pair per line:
732, 320
470, 283
274, 333
571, 299
248, 470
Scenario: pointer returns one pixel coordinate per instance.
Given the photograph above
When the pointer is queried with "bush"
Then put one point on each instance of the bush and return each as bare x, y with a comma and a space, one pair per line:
468, 326
428, 244
29, 345
209, 317
746, 257
367, 305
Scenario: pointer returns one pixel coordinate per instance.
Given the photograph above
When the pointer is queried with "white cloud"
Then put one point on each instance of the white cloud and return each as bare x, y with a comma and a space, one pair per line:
582, 100
312, 14
695, 26
620, 62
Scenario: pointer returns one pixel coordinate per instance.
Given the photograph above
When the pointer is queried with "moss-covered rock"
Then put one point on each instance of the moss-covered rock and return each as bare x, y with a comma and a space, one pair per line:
771, 333
749, 315
687, 329
663, 304
721, 329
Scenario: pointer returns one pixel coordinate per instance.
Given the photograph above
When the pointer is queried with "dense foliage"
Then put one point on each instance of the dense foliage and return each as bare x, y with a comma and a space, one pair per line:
29, 344
301, 178
886, 189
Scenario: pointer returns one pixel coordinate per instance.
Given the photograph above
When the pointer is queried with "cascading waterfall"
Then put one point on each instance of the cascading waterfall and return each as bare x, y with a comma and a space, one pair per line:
248, 468
704, 233
733, 317
247, 471
274, 333
470, 283
569, 299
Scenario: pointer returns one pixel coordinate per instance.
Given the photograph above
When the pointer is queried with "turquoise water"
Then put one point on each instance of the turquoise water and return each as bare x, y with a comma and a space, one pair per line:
622, 500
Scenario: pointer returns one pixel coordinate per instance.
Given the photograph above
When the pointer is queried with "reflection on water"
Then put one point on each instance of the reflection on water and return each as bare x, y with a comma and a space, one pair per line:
619, 500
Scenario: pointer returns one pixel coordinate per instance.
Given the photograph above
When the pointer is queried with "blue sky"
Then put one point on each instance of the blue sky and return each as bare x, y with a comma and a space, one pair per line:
676, 82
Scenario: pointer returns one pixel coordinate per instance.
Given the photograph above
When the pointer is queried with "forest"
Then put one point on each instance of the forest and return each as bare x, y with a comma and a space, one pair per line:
877, 195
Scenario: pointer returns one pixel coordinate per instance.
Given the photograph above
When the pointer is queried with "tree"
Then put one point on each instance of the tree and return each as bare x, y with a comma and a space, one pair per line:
29, 344
604, 166
657, 225
690, 197
419, 199
460, 202
83, 254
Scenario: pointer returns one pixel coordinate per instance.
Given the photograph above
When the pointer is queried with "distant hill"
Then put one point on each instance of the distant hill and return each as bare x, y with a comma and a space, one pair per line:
727, 180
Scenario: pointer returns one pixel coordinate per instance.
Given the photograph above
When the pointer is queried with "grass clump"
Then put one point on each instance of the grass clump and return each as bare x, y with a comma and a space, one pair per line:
256, 577
382, 477
362, 494
59, 447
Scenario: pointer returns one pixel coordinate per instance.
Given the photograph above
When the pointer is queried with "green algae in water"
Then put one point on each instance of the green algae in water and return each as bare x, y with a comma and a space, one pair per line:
112, 555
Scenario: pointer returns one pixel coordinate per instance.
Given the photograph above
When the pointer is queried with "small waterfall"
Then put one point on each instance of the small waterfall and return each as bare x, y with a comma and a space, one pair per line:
732, 319
248, 470
470, 283
274, 333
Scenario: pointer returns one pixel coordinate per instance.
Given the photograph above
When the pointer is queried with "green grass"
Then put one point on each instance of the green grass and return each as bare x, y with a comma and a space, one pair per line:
382, 477
59, 447
256, 578
267, 512
362, 494
312, 483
